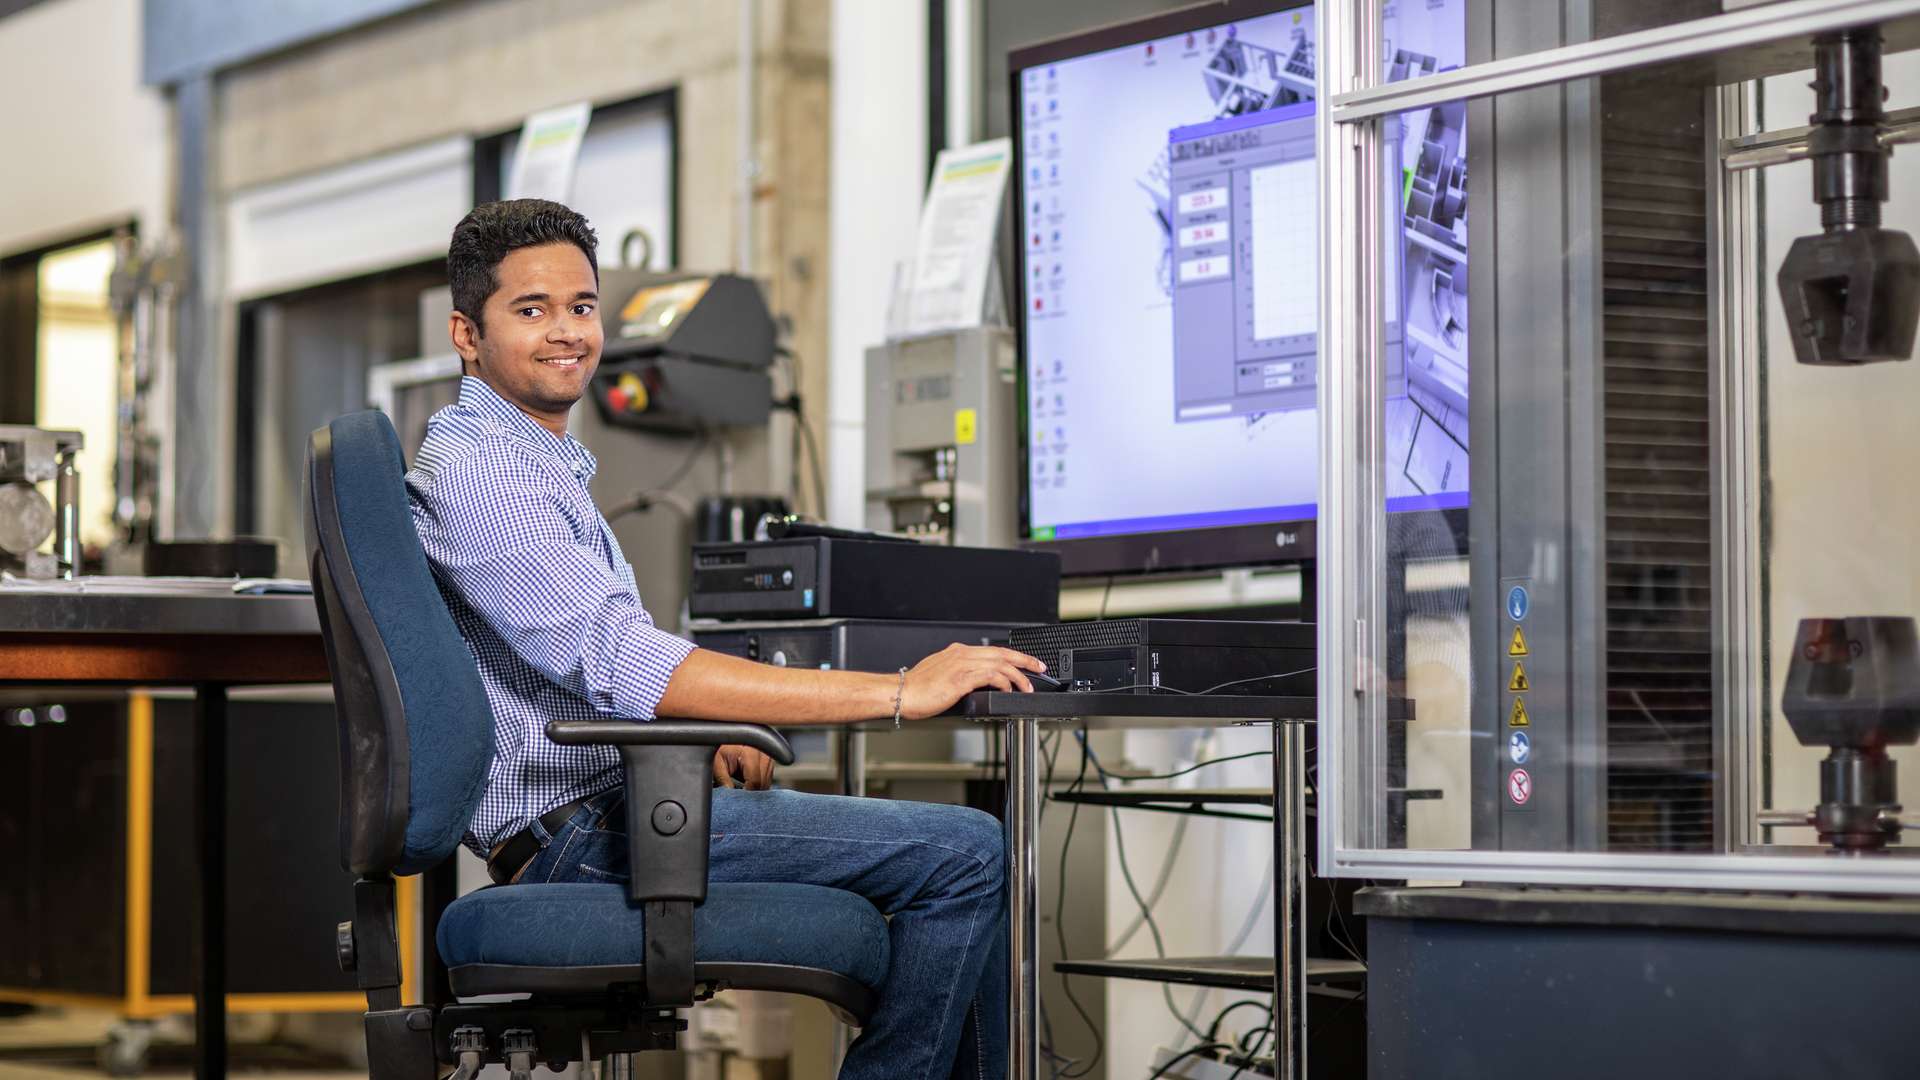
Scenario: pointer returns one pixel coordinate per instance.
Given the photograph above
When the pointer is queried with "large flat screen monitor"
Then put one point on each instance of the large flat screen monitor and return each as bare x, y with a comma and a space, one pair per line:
1166, 188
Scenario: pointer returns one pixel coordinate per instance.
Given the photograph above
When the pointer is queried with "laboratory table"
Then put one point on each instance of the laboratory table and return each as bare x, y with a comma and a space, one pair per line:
1024, 715
170, 633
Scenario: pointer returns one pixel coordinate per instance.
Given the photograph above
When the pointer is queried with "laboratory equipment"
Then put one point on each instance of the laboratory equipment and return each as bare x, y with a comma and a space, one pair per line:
31, 457
942, 454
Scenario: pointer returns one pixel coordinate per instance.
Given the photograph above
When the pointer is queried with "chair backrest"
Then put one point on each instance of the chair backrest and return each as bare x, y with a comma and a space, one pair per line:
416, 735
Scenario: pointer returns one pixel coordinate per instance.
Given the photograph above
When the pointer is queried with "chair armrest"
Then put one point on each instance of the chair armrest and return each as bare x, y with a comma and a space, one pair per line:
669, 776
670, 733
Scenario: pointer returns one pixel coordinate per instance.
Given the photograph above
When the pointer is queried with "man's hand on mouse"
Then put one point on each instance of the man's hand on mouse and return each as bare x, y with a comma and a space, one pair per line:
934, 684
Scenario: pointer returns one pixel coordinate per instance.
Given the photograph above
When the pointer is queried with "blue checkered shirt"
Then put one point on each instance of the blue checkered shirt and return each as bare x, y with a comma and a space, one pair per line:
538, 587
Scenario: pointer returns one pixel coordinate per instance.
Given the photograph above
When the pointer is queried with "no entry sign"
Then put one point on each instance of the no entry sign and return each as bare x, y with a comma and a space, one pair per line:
1519, 787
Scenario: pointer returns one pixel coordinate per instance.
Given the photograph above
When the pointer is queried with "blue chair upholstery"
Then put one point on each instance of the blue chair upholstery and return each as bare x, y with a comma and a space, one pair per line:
416, 741
586, 924
449, 727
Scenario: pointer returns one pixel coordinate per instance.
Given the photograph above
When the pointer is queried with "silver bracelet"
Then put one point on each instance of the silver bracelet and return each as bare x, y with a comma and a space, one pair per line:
899, 693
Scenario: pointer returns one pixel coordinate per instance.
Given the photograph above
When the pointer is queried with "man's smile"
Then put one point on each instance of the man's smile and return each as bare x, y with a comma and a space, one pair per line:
564, 361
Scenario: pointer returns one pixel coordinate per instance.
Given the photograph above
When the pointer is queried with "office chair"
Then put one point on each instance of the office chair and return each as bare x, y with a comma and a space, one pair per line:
601, 969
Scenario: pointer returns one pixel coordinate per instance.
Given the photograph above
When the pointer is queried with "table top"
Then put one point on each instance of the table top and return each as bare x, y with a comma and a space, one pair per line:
1129, 710
164, 607
167, 632
1253, 973
1133, 710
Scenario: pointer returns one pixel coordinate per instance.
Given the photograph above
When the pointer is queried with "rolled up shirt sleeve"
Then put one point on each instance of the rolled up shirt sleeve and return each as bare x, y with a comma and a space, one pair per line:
498, 533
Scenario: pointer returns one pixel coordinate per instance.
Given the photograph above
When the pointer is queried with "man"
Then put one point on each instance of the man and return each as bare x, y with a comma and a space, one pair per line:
543, 596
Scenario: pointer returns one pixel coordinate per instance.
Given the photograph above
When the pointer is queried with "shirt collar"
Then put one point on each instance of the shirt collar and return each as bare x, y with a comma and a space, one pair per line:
475, 394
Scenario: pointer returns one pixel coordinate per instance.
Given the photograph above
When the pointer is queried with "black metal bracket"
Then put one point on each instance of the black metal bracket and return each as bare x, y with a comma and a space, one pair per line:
373, 943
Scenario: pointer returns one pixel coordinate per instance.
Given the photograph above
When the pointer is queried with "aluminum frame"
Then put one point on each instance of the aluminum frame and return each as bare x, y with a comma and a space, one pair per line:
1737, 268
1351, 640
1662, 44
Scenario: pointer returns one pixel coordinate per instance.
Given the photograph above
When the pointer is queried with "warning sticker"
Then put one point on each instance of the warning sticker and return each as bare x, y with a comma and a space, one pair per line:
1519, 747
1518, 682
966, 427
1517, 646
1517, 716
1519, 787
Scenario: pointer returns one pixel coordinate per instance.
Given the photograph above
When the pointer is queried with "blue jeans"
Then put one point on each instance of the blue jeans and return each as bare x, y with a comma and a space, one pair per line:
937, 872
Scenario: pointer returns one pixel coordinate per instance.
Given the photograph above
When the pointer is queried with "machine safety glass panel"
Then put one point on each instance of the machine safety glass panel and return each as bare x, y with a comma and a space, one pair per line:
1414, 34
1670, 639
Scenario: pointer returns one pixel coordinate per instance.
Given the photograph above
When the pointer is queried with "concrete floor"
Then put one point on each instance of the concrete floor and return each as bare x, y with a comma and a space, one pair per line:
54, 1043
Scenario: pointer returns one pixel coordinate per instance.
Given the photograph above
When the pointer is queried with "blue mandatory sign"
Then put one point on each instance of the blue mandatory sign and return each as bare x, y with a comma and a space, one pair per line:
1518, 603
1519, 747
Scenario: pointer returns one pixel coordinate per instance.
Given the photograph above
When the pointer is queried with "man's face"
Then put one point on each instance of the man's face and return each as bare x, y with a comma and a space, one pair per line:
543, 336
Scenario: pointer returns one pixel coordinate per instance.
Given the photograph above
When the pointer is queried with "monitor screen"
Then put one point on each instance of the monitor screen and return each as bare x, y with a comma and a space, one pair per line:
1169, 304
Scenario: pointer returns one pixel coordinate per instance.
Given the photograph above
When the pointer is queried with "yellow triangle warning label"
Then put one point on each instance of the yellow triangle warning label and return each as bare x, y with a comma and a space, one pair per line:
1517, 646
1518, 683
1517, 717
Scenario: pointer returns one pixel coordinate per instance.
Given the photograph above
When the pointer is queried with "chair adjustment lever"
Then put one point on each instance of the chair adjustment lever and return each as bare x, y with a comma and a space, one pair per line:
343, 951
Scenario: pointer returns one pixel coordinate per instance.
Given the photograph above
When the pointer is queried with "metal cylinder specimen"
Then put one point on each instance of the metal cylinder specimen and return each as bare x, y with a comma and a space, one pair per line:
26, 518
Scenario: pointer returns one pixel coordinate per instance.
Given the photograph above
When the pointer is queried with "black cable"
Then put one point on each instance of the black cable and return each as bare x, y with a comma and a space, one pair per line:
805, 435
1050, 753
1169, 776
1213, 1029
1146, 912
1258, 1037
813, 461
1105, 595
1133, 888
1344, 938
1247, 1055
645, 500
1060, 926
1160, 881
1191, 1051
1208, 690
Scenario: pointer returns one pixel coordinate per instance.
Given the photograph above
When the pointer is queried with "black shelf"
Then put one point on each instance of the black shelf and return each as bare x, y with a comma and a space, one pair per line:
1198, 801
1202, 801
1127, 709
1224, 972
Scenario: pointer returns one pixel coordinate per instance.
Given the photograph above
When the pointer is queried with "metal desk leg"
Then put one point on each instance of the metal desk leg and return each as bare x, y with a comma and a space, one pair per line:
1023, 909
853, 761
1289, 907
210, 835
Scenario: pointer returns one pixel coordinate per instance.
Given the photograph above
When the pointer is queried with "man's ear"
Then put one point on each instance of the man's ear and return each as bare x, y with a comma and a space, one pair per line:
465, 337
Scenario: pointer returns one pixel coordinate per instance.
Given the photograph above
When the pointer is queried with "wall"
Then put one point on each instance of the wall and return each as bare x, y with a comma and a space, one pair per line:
1841, 443
86, 142
880, 169
481, 66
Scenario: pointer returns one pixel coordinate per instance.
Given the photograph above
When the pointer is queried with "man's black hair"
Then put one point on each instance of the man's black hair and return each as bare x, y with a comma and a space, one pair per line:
492, 231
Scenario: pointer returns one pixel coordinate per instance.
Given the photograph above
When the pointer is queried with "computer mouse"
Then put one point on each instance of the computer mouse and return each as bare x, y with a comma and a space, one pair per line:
1043, 683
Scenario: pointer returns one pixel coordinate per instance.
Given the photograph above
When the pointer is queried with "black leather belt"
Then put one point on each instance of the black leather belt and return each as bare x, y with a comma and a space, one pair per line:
524, 845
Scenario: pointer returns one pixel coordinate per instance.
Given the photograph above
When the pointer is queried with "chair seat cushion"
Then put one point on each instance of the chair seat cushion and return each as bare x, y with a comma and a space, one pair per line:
586, 924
